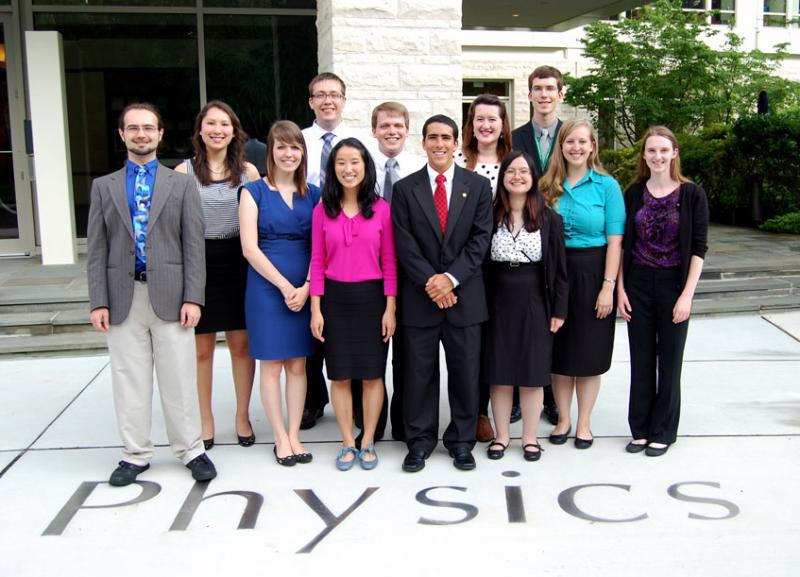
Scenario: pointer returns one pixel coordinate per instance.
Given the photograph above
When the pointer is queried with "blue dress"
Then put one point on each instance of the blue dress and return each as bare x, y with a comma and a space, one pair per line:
284, 236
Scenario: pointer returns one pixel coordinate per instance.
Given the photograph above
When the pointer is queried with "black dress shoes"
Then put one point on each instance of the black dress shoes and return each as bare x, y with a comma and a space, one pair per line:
248, 440
496, 454
635, 447
202, 468
208, 444
463, 459
414, 461
516, 413
652, 451
310, 418
559, 439
550, 412
532, 452
126, 473
583, 443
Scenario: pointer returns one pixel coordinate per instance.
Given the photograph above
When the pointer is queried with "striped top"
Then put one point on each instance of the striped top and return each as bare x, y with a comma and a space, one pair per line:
220, 206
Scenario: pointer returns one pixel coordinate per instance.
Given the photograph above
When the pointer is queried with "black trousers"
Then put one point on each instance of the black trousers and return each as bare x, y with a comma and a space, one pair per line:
656, 347
317, 392
462, 347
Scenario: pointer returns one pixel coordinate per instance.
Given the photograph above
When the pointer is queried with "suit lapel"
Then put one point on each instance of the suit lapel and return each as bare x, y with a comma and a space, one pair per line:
424, 195
163, 189
119, 195
458, 197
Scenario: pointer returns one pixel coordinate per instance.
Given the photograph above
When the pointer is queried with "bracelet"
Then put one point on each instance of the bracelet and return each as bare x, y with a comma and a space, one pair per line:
308, 280
611, 281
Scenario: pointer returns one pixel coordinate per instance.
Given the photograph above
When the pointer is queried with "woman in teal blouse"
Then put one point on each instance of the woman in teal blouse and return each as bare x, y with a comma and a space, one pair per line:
591, 204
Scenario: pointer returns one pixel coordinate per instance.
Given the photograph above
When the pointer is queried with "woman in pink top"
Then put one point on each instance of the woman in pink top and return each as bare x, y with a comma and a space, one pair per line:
353, 291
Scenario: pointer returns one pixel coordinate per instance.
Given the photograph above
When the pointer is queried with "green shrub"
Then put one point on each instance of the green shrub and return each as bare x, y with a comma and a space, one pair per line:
787, 223
621, 163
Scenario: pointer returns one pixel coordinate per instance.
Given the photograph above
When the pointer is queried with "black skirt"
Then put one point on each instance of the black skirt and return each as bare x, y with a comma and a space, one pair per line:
583, 346
519, 344
354, 347
226, 281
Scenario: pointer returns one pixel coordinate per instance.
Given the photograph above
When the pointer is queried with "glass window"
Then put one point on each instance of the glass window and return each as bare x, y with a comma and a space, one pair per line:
115, 2
292, 4
261, 66
472, 88
774, 12
110, 61
724, 11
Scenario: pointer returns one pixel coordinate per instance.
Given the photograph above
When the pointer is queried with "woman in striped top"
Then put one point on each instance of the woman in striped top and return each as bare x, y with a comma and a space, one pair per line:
220, 169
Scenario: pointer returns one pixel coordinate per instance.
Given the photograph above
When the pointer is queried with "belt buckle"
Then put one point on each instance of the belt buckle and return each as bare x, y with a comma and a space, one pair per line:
513, 264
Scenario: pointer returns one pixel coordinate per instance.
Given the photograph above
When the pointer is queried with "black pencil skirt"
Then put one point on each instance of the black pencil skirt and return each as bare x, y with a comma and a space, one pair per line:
226, 282
519, 344
583, 346
354, 347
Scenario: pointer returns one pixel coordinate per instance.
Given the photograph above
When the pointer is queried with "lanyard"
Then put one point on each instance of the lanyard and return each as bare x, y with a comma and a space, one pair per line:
546, 158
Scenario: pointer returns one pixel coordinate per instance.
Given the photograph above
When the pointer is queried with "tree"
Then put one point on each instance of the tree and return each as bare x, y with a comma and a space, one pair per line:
657, 67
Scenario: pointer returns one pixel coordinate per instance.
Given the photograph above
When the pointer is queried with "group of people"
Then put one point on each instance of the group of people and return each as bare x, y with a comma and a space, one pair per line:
512, 250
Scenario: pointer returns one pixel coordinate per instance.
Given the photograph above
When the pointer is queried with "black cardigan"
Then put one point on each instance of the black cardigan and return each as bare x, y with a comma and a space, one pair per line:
693, 221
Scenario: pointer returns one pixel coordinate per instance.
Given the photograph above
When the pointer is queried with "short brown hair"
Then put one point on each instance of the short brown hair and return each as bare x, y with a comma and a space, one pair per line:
140, 106
391, 108
546, 72
325, 76
288, 132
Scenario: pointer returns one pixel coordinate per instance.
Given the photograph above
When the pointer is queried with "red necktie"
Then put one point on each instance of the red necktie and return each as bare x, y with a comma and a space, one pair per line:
440, 200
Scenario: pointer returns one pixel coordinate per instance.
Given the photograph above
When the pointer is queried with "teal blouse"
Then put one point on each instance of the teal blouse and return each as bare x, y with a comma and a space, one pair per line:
592, 210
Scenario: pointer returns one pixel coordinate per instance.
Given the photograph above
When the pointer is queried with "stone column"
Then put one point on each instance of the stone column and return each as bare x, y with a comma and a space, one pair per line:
403, 50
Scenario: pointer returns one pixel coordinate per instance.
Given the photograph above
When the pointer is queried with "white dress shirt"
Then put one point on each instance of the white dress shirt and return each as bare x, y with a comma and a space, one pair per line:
313, 137
406, 164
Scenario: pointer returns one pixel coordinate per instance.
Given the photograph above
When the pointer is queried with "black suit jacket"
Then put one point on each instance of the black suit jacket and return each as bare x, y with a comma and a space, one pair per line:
522, 139
422, 249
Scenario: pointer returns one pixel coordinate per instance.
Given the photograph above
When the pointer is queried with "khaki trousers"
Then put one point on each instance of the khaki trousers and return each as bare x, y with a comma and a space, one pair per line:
135, 346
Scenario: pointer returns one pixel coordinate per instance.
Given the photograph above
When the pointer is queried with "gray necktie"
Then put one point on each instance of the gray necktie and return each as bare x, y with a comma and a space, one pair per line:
390, 179
323, 159
544, 143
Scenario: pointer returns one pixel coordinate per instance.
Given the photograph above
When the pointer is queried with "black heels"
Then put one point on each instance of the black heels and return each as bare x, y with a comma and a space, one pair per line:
250, 439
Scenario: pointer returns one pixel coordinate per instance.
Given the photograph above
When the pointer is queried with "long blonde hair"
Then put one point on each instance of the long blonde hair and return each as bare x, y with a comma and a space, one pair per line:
551, 185
643, 171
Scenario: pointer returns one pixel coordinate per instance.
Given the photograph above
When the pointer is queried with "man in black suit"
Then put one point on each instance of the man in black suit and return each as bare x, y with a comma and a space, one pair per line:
442, 217
537, 138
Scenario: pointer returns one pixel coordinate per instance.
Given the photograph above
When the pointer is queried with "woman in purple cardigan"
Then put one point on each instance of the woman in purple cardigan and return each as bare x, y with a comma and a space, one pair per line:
664, 246
353, 291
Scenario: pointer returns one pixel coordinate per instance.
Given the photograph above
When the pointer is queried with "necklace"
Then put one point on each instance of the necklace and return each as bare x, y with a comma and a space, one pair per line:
216, 171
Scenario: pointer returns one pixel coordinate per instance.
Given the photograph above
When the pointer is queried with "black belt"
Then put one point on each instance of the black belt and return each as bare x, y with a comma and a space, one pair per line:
140, 276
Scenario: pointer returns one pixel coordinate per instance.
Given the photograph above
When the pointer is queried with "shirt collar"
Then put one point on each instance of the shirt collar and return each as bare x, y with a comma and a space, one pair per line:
318, 132
590, 176
448, 174
551, 130
150, 167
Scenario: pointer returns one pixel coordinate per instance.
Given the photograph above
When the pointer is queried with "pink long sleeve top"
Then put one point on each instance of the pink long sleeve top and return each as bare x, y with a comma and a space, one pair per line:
353, 249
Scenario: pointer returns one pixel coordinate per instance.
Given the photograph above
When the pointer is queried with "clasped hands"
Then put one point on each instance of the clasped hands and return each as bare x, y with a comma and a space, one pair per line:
295, 297
440, 290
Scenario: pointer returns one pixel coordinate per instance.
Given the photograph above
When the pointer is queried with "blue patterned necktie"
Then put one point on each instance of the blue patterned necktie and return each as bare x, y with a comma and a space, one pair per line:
323, 159
141, 196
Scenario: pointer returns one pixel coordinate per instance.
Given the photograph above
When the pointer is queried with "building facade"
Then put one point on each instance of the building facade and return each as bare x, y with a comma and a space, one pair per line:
258, 55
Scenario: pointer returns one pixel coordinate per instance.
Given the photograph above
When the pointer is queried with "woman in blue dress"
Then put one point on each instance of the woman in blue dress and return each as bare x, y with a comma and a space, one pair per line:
275, 219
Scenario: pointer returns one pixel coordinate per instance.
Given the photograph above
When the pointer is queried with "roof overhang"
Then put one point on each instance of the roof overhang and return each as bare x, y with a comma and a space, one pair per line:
553, 15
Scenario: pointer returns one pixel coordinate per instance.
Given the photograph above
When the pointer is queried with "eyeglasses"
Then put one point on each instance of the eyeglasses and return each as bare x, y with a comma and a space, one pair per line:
147, 129
321, 96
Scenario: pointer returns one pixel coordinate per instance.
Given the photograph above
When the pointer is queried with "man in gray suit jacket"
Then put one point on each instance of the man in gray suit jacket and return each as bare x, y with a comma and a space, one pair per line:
146, 272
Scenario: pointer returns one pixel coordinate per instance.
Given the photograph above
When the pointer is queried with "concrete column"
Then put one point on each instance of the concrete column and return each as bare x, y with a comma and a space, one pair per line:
51, 158
403, 50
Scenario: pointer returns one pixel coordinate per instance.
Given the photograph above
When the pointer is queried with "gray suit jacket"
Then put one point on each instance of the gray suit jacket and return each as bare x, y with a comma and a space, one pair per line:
176, 271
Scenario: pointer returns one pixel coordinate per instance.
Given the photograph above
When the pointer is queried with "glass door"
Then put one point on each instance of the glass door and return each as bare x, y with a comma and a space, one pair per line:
16, 218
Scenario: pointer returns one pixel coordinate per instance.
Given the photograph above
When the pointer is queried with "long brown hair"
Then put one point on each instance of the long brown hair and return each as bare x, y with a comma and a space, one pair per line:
470, 146
533, 211
552, 182
643, 171
234, 156
288, 132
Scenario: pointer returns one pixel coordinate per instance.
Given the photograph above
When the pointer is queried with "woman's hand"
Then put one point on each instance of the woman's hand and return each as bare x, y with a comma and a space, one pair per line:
682, 309
605, 301
555, 324
297, 298
317, 324
623, 304
388, 324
